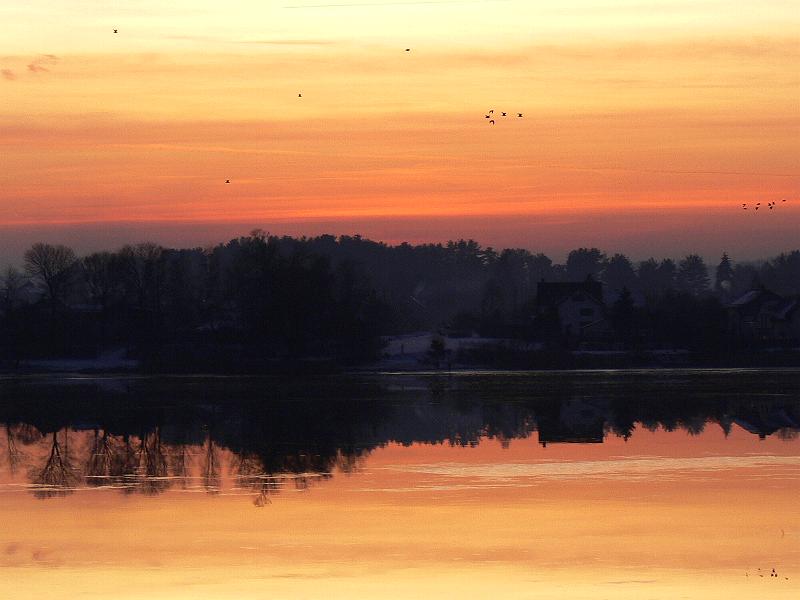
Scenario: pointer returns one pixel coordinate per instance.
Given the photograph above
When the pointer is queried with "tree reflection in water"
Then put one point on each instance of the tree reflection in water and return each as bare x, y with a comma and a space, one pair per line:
152, 475
57, 476
211, 466
153, 437
101, 460
181, 465
15, 455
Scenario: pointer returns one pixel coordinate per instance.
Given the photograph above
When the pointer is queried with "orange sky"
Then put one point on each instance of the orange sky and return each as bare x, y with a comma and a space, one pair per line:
645, 124
663, 515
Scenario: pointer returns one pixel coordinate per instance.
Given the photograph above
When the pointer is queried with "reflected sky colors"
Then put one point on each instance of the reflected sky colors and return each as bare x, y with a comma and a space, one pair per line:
654, 511
637, 116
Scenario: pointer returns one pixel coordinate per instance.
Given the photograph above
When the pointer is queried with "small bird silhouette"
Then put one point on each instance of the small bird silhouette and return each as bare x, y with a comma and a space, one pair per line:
408, 49
519, 114
227, 181
491, 111
503, 114
115, 31
299, 95
491, 122
486, 117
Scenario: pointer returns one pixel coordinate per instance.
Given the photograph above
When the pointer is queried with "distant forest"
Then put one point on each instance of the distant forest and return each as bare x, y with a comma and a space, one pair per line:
261, 298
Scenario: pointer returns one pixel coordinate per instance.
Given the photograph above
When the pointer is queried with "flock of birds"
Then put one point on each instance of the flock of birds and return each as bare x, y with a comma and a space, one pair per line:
770, 205
490, 115
774, 573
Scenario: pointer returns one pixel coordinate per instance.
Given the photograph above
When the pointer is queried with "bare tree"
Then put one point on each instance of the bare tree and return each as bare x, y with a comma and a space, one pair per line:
124, 463
143, 272
15, 455
155, 469
56, 477
52, 267
250, 473
143, 468
180, 460
11, 283
99, 465
103, 275
211, 466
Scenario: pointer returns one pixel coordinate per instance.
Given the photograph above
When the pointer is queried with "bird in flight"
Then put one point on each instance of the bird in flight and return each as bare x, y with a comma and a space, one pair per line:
299, 95
408, 49
491, 122
227, 181
115, 31
503, 114
519, 115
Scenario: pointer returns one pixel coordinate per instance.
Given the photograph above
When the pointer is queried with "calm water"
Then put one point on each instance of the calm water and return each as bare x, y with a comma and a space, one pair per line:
676, 484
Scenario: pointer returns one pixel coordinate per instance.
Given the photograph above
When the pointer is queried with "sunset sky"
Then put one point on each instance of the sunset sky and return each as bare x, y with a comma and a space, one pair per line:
646, 124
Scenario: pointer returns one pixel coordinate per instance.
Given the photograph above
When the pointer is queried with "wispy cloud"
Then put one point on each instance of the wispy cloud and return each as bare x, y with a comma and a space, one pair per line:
280, 42
267, 42
41, 63
627, 469
380, 4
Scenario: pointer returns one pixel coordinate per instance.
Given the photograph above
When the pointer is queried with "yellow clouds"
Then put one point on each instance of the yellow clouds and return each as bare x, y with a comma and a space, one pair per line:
756, 74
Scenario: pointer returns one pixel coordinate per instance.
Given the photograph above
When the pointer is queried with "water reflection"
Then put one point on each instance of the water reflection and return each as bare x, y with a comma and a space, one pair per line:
255, 436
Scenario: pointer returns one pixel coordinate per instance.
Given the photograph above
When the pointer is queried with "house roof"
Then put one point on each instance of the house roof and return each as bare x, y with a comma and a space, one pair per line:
751, 302
747, 298
783, 309
763, 301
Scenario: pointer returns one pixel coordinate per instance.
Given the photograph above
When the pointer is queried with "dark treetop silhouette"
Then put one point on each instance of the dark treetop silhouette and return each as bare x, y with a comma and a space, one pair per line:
262, 300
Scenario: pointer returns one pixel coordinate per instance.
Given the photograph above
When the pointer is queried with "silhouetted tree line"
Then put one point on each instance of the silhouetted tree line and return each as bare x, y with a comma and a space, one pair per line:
263, 297
245, 300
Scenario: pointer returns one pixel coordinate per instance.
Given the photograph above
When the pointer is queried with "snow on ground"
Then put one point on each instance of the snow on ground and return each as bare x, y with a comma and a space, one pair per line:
114, 360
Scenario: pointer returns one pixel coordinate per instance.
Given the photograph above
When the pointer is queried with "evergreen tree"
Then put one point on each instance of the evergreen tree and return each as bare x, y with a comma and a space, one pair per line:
622, 315
584, 262
724, 276
692, 275
619, 274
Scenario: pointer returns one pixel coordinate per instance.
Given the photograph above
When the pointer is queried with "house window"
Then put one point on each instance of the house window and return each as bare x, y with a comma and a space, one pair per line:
587, 312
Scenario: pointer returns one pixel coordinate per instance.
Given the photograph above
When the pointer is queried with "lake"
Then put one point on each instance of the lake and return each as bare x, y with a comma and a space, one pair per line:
615, 484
